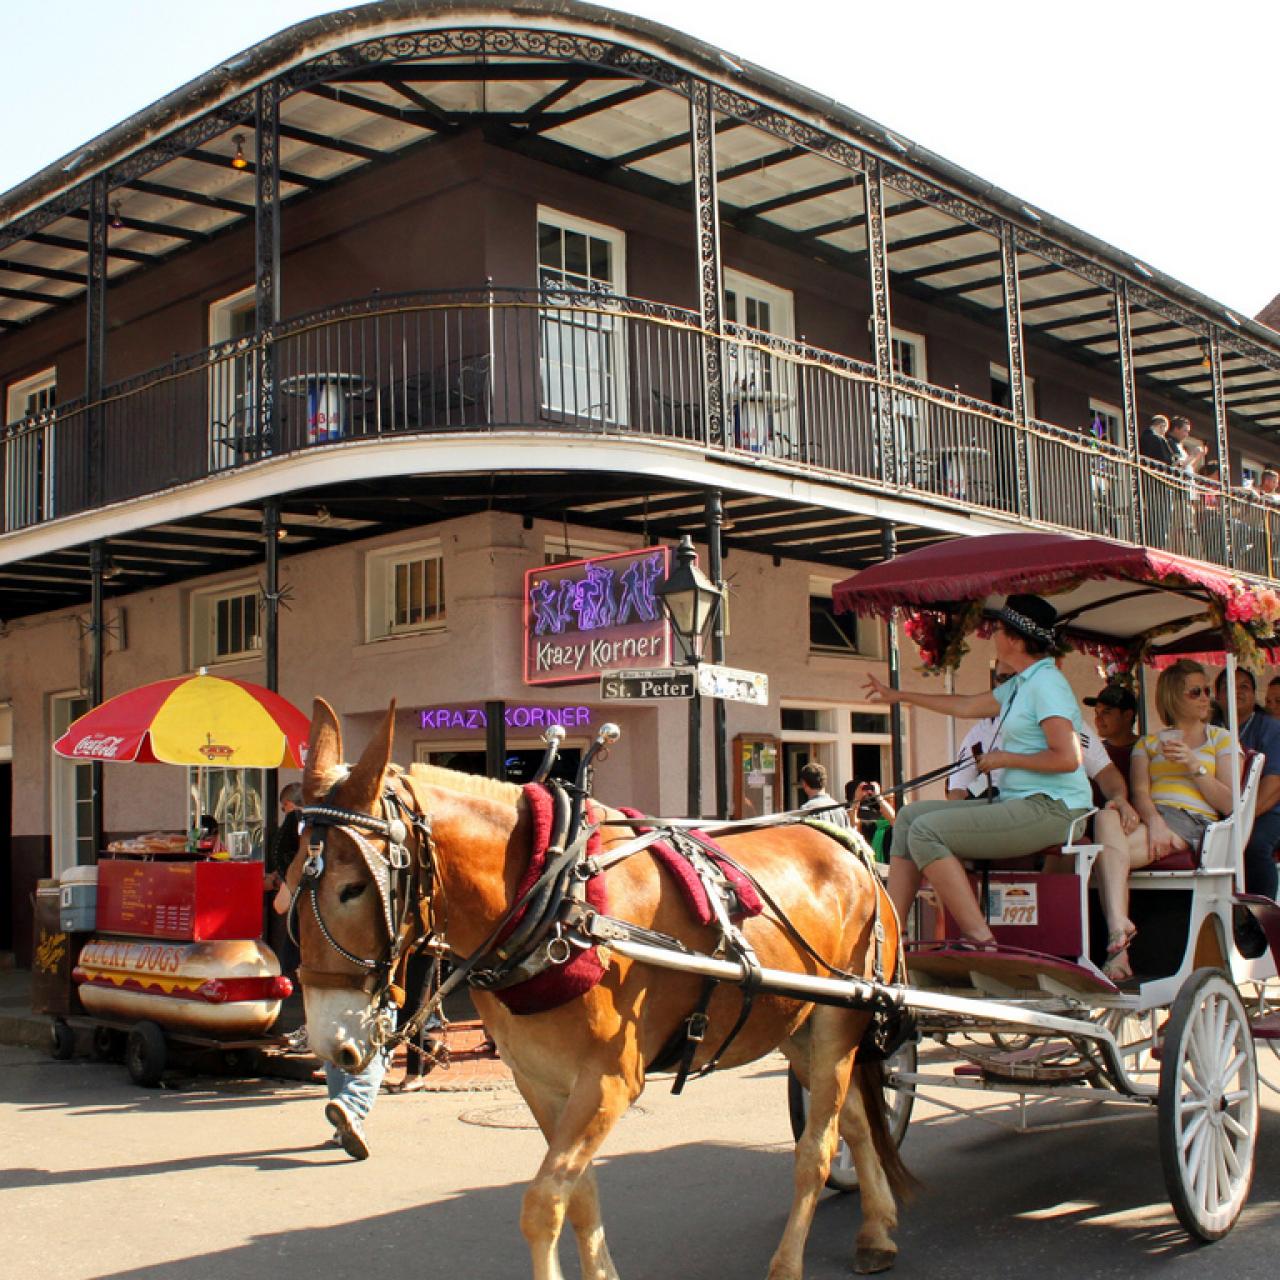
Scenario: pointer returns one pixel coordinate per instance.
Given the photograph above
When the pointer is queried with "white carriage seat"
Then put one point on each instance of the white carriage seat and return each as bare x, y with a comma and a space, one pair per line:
1215, 854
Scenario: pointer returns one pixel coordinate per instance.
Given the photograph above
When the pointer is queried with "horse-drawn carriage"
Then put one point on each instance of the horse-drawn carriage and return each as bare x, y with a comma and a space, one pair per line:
521, 891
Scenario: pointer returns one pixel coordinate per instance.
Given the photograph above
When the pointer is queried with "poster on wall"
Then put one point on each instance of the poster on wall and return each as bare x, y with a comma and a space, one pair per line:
588, 616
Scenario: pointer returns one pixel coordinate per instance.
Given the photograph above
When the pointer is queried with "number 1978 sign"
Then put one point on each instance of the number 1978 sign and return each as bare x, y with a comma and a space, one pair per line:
589, 616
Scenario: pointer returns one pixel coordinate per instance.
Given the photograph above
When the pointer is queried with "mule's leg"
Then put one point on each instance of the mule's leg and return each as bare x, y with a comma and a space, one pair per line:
596, 1103
833, 1036
584, 1203
875, 1248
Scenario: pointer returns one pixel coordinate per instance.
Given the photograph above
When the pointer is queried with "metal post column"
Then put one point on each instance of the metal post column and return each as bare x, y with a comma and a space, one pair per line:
95, 330
1220, 432
715, 571
706, 211
889, 549
271, 646
97, 634
1129, 401
266, 260
495, 739
881, 320
1027, 503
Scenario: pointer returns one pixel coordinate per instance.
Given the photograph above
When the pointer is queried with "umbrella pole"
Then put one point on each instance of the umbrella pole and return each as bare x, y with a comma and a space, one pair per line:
1233, 724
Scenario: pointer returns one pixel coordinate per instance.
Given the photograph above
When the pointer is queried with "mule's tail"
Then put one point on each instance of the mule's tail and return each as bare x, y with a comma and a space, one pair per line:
870, 1080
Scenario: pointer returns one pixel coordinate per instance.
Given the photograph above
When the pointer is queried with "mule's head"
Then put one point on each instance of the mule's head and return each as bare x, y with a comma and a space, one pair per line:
341, 920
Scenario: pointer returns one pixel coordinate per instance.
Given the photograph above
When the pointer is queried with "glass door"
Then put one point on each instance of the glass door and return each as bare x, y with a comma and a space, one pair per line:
760, 387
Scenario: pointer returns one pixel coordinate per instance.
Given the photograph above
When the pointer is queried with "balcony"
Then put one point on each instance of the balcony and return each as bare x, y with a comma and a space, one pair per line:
502, 359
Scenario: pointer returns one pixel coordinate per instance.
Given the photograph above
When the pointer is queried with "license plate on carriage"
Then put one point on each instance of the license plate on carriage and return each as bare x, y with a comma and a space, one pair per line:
1014, 904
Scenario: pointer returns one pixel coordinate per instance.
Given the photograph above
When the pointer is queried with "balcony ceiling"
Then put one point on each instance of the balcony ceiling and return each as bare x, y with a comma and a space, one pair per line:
631, 133
232, 539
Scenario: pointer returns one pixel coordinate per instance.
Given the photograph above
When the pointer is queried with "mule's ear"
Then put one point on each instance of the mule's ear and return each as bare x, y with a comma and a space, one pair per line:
324, 752
363, 787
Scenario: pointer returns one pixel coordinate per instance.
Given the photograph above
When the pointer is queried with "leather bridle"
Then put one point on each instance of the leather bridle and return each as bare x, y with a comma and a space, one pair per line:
403, 875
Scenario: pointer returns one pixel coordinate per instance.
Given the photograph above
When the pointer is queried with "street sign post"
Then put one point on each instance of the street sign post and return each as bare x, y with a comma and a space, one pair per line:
662, 682
733, 684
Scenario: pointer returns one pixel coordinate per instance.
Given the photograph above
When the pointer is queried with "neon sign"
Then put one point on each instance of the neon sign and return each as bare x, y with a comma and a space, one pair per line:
517, 715
588, 616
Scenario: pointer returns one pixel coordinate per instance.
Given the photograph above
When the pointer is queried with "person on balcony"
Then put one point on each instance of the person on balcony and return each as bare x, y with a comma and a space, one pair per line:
1180, 777
1154, 443
1191, 453
1044, 785
1258, 732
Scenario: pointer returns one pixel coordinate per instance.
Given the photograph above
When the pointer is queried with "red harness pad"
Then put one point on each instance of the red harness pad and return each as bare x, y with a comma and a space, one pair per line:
687, 878
562, 982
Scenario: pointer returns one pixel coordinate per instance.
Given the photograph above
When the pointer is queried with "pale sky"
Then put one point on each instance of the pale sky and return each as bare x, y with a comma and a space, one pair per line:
1148, 123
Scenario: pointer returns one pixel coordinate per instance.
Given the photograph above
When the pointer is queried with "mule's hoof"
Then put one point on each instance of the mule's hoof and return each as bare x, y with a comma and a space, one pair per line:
866, 1262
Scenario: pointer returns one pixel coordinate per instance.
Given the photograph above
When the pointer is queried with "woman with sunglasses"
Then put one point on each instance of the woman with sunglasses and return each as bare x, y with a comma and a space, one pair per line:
1180, 777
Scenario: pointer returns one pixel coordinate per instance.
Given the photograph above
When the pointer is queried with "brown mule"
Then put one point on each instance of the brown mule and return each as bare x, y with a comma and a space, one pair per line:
580, 1066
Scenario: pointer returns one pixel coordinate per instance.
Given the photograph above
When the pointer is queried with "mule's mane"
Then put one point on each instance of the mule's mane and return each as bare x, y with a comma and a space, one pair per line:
465, 783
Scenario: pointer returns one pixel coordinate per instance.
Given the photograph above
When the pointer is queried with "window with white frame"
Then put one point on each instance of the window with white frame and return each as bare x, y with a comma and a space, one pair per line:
910, 416
1106, 421
1002, 391
581, 342
760, 386
28, 452
840, 634
907, 350
231, 379
71, 790
226, 624
404, 590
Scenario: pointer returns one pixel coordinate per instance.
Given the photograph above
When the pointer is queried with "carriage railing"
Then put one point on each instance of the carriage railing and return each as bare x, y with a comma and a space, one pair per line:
590, 362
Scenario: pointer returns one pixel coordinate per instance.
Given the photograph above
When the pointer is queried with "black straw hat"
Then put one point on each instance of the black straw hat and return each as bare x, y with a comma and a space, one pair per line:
1030, 616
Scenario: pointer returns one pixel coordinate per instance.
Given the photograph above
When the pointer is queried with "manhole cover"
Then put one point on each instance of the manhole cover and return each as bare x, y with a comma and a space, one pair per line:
513, 1115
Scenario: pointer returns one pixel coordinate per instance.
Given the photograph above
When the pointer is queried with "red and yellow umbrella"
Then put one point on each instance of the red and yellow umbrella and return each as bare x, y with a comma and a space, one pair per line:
192, 720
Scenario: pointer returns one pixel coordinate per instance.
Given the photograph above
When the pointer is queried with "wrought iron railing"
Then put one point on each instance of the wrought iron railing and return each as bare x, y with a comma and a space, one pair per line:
490, 360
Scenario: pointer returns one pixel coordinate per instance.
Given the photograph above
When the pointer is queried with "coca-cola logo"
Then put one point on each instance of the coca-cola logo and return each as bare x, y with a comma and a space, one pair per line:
104, 746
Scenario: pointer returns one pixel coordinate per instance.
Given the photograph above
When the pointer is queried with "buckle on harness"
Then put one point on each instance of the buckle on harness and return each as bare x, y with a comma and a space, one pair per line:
695, 1027
559, 950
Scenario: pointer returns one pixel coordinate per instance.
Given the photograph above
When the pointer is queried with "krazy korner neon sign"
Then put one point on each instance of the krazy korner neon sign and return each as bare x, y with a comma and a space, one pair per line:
587, 616
517, 716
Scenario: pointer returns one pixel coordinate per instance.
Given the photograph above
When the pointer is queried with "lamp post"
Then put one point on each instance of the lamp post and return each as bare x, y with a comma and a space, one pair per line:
691, 602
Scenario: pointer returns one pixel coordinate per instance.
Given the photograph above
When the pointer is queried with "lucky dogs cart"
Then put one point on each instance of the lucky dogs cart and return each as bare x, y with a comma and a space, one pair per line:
1036, 1020
176, 951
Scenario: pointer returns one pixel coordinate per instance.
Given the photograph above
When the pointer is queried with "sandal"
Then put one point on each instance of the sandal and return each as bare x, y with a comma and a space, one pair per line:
1119, 940
1117, 968
975, 944
407, 1084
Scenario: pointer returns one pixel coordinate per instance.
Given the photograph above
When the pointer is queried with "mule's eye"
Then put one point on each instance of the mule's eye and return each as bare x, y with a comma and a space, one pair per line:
350, 891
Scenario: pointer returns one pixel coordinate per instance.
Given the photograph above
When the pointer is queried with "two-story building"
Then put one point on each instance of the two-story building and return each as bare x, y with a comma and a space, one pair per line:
306, 366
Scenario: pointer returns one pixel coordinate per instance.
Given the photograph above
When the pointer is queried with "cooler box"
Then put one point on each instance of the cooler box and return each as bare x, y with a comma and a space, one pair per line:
188, 901
78, 899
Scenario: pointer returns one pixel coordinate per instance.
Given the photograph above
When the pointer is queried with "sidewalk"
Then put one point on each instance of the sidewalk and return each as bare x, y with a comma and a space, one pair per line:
469, 1065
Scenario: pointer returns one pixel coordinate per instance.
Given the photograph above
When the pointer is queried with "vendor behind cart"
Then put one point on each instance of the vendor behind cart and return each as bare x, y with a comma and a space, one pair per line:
1043, 787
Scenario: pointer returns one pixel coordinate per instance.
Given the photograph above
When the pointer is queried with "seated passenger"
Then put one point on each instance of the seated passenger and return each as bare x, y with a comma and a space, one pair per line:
966, 781
1043, 789
1180, 777
1260, 733
1273, 697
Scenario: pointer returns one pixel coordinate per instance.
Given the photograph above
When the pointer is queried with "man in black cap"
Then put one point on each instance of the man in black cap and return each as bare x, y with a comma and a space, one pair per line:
1115, 711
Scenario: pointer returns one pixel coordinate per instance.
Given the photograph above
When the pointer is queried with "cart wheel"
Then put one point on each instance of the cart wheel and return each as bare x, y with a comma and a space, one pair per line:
145, 1054
1208, 1105
108, 1044
843, 1176
62, 1041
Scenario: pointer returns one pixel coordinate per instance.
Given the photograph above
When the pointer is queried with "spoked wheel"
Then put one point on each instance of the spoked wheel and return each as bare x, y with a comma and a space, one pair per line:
843, 1176
1208, 1105
145, 1054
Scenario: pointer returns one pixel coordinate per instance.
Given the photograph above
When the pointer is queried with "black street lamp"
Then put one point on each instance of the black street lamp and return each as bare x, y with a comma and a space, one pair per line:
692, 603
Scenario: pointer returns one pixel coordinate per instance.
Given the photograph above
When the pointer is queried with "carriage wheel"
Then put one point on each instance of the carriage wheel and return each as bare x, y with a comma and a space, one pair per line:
62, 1040
843, 1176
1208, 1105
145, 1054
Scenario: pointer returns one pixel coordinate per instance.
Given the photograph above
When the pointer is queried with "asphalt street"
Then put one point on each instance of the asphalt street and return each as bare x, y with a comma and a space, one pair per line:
230, 1179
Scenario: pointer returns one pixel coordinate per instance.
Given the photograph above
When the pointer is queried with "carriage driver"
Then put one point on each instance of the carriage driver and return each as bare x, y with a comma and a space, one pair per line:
1043, 788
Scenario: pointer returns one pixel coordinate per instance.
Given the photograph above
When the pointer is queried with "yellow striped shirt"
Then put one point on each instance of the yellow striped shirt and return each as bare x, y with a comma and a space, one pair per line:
1170, 782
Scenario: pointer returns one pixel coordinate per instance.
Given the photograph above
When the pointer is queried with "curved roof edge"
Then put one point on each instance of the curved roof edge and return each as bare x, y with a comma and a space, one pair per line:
342, 28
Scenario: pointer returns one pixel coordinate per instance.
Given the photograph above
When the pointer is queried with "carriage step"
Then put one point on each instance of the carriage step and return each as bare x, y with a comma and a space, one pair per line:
1266, 1028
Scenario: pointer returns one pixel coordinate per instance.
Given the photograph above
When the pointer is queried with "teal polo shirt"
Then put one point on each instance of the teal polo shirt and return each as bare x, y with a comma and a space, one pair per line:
1030, 697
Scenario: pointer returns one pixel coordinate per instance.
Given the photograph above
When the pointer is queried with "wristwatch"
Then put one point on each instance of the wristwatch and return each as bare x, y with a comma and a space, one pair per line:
1201, 770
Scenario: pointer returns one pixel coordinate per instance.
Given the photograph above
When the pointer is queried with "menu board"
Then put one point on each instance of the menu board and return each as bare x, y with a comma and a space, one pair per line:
190, 901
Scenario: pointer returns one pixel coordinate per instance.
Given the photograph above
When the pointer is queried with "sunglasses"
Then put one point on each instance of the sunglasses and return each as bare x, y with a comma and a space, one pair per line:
1197, 691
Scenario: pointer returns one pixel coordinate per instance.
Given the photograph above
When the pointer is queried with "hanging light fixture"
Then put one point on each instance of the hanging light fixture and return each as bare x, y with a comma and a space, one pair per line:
238, 161
1205, 362
116, 220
